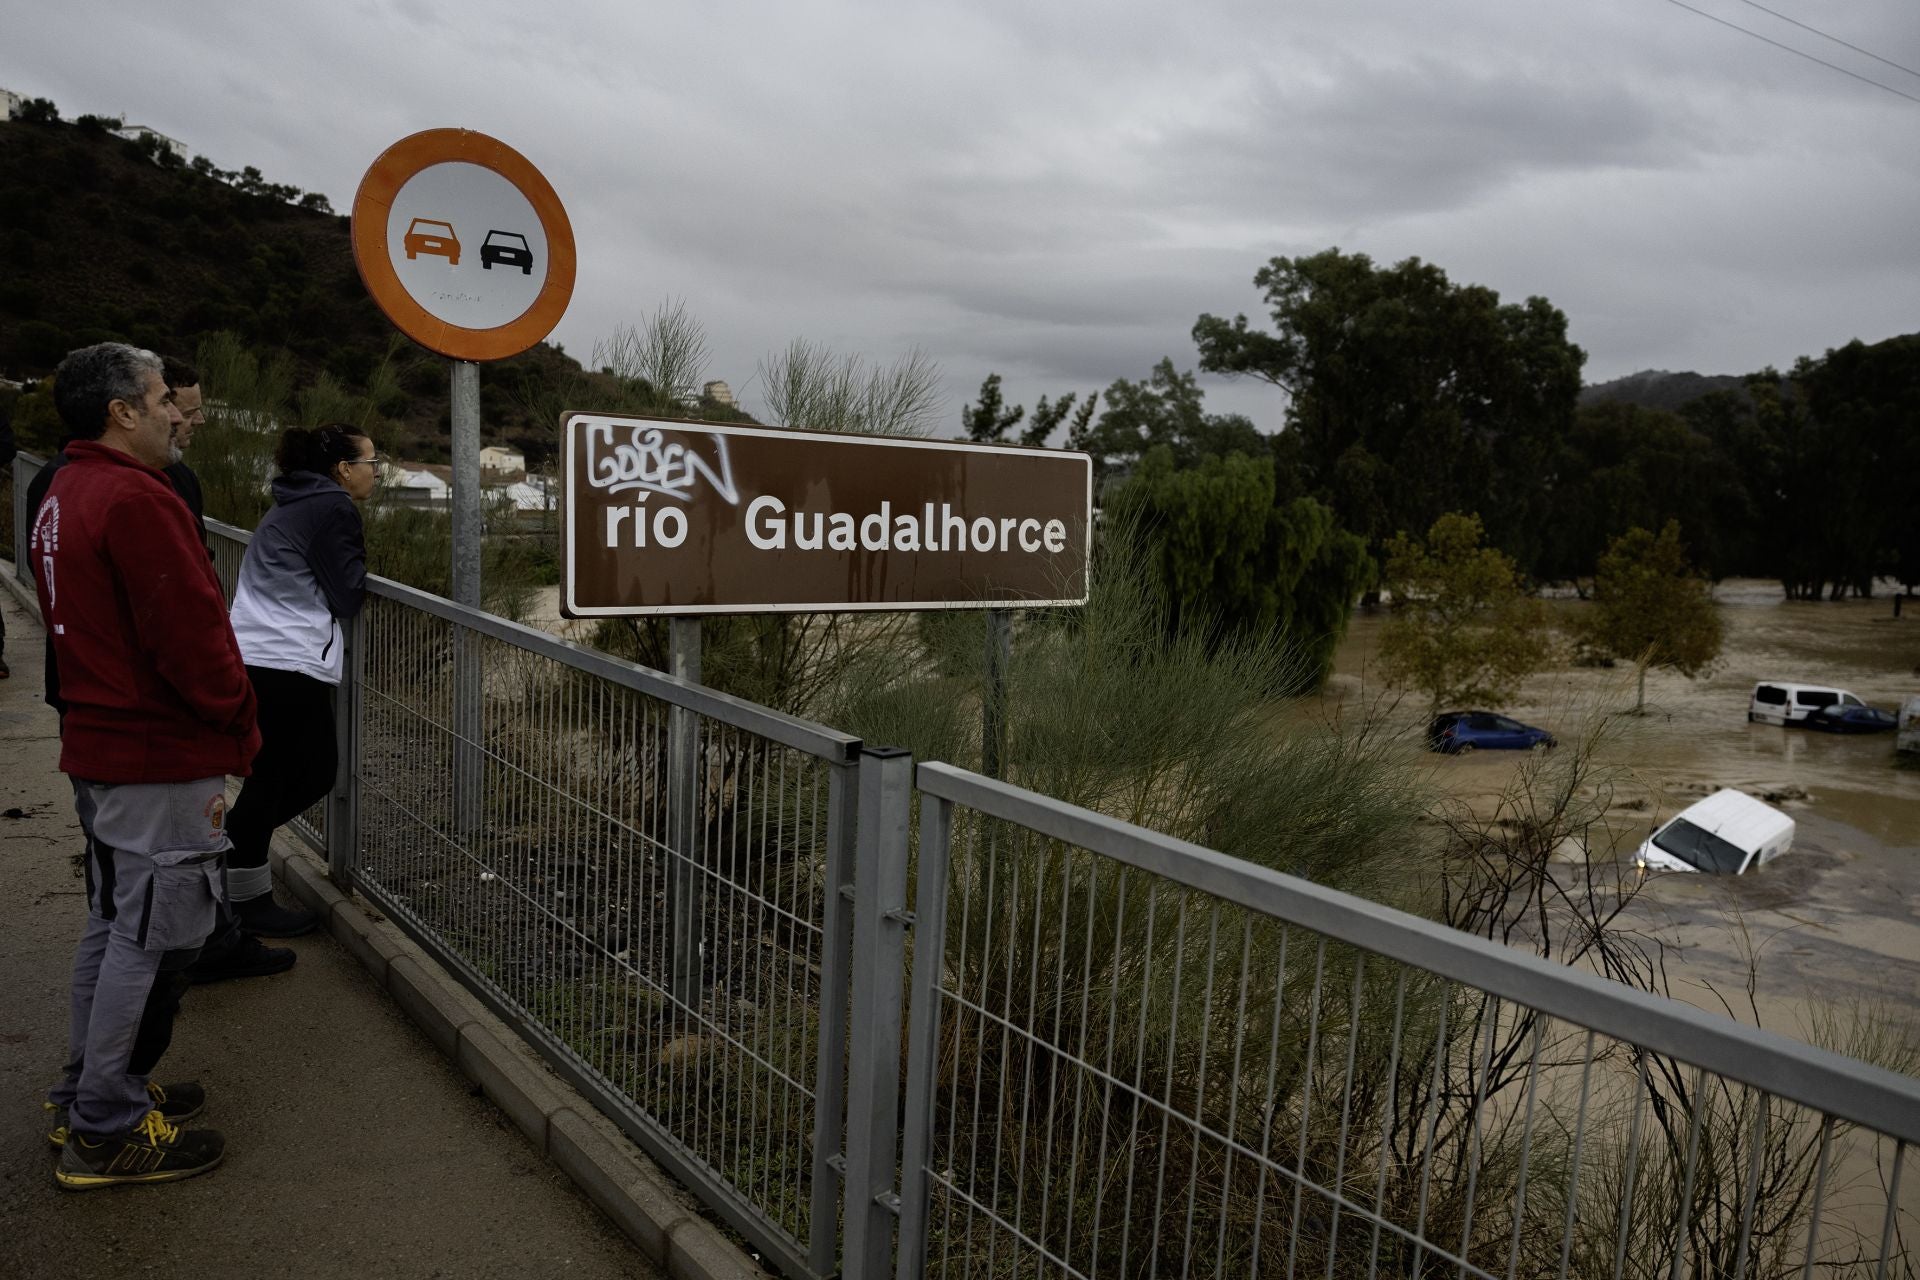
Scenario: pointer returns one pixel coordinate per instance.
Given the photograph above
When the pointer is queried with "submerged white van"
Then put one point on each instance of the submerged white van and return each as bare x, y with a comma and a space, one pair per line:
1783, 702
1728, 832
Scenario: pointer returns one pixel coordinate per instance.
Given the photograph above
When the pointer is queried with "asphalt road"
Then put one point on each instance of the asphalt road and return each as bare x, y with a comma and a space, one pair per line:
354, 1148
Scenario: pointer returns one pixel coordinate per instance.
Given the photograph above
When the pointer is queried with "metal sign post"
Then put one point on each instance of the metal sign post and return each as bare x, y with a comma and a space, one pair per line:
684, 809
468, 531
466, 248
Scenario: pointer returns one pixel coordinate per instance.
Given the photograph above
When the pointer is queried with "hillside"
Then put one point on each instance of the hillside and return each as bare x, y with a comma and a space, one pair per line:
1658, 389
105, 239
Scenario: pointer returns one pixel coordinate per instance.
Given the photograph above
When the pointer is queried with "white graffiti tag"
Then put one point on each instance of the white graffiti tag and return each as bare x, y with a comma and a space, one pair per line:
652, 460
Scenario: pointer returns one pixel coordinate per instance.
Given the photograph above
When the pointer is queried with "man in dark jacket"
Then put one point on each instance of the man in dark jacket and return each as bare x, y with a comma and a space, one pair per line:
159, 711
230, 952
184, 383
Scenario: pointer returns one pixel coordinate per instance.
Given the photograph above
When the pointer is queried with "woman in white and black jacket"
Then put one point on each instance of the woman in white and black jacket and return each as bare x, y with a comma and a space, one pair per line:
305, 572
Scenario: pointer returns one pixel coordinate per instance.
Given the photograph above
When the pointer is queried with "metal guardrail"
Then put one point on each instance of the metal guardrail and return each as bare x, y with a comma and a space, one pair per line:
1124, 1054
1130, 1055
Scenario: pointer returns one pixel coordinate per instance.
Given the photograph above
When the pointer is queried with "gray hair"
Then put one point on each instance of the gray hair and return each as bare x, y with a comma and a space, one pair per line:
92, 378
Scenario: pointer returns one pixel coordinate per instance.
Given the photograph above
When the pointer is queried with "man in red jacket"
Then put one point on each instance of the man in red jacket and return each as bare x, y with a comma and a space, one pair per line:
159, 711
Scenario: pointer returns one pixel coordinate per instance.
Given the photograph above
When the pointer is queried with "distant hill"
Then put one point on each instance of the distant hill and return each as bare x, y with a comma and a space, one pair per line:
1658, 389
108, 239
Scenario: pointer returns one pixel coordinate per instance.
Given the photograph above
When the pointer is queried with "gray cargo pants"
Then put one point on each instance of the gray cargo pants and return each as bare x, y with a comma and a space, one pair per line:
153, 883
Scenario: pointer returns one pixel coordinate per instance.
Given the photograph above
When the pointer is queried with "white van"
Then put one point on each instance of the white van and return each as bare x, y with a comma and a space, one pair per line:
1783, 702
1728, 832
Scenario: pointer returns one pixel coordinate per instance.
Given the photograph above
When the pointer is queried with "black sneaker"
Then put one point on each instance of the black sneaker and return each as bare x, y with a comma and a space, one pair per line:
264, 916
247, 958
151, 1151
176, 1104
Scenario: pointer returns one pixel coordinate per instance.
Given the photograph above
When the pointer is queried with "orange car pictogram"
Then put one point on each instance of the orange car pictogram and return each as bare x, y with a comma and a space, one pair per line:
430, 235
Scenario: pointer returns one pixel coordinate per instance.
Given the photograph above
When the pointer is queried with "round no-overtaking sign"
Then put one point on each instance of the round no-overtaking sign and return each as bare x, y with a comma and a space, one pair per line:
463, 244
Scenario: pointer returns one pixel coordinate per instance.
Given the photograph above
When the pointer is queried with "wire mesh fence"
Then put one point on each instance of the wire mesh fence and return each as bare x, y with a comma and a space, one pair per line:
1127, 1064
521, 811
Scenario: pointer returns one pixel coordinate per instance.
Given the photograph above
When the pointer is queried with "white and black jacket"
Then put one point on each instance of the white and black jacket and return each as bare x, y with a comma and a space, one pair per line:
305, 571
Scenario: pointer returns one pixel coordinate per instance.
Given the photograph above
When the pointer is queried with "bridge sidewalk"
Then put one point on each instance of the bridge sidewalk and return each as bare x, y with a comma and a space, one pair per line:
360, 1143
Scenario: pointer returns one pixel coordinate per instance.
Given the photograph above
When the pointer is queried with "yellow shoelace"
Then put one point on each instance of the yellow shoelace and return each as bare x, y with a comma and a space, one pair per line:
157, 1130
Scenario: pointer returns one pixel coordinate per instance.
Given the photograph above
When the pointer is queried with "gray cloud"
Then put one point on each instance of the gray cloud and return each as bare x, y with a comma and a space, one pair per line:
1056, 191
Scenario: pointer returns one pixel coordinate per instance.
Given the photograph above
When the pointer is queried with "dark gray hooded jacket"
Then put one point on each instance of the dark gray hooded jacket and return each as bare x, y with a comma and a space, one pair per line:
305, 571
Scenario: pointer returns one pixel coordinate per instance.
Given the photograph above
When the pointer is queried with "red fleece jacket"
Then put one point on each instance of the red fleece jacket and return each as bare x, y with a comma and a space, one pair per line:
149, 669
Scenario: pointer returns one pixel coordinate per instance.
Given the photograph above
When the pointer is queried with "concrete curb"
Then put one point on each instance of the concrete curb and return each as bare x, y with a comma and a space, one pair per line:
661, 1220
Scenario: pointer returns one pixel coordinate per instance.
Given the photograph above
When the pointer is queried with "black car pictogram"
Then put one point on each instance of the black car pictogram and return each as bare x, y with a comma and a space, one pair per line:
509, 249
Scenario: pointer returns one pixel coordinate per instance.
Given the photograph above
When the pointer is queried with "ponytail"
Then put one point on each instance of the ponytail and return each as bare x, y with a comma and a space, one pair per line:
318, 449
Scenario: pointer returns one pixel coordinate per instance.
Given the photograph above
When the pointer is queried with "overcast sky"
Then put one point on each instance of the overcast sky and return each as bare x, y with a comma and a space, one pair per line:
1056, 190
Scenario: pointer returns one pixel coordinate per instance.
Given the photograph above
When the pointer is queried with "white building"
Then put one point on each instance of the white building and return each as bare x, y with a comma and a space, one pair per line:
499, 458
136, 132
416, 486
720, 393
10, 104
535, 493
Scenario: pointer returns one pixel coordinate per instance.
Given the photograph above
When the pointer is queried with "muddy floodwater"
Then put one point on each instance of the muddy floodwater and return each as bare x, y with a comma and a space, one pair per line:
1834, 921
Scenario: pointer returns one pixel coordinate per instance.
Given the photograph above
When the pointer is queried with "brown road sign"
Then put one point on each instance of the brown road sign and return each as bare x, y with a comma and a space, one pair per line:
666, 517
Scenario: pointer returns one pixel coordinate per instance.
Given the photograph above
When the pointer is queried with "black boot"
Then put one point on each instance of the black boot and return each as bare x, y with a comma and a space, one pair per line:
264, 916
246, 958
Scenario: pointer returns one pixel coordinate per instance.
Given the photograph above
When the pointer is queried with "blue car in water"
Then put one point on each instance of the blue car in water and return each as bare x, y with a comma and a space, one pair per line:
1458, 732
1845, 719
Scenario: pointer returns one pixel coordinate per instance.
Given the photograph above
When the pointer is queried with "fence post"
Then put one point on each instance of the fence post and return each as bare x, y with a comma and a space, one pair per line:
343, 805
923, 1032
830, 1066
880, 921
683, 819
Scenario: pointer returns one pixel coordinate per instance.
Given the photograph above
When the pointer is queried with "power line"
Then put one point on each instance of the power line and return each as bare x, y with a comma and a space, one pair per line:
1836, 39
1797, 52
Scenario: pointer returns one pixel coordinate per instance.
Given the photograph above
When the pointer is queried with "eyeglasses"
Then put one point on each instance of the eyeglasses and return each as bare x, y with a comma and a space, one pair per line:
375, 460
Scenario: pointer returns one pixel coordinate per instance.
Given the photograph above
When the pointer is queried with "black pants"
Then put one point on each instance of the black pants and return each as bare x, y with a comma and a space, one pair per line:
299, 758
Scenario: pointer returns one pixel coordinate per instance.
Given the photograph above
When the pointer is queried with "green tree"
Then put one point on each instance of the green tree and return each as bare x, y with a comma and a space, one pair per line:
1048, 415
1228, 562
1626, 465
1864, 401
1412, 395
1165, 408
1650, 607
1464, 630
1082, 425
991, 418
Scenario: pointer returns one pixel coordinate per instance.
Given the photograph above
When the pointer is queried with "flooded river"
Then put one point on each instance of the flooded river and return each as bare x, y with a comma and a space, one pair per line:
1836, 919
